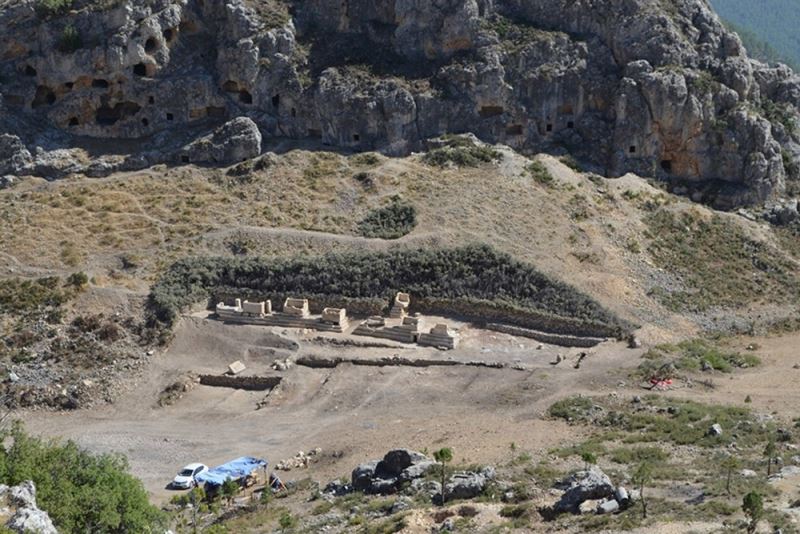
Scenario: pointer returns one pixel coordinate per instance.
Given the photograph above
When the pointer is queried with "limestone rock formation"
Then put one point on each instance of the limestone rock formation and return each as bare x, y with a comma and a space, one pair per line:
591, 484
659, 88
23, 514
234, 141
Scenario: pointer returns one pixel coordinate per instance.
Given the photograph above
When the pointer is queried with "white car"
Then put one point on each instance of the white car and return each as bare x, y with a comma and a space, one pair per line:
185, 477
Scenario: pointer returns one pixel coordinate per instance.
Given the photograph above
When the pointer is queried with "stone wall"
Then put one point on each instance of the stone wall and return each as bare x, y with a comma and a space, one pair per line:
252, 383
483, 312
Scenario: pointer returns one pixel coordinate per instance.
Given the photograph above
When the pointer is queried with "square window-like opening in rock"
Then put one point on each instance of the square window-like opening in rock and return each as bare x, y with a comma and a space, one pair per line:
570, 124
356, 137
184, 159
549, 128
632, 149
276, 101
666, 165
170, 116
73, 121
140, 69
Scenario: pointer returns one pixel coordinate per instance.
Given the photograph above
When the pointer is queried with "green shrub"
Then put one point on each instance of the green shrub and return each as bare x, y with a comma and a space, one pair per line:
393, 221
469, 274
571, 409
461, 152
690, 355
624, 455
70, 40
41, 298
81, 492
540, 173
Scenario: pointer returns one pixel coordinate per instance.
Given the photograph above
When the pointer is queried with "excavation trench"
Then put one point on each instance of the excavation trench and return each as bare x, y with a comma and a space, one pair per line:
320, 362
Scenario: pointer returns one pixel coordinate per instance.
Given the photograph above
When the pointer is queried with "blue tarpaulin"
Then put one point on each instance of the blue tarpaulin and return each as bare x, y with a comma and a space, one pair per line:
235, 469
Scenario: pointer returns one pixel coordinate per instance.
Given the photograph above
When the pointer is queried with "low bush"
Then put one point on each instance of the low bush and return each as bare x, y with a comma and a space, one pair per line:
692, 355
461, 152
571, 409
392, 221
475, 272
540, 173
40, 298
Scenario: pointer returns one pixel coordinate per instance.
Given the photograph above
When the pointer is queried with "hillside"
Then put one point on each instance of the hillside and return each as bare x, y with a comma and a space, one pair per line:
678, 269
773, 22
666, 93
471, 266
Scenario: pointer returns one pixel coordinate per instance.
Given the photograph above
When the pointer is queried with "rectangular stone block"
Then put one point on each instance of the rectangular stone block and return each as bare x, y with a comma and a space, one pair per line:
334, 315
236, 367
254, 308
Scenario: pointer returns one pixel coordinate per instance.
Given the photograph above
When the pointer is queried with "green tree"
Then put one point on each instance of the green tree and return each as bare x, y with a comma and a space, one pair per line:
730, 463
443, 456
588, 459
81, 492
642, 477
229, 490
770, 451
753, 508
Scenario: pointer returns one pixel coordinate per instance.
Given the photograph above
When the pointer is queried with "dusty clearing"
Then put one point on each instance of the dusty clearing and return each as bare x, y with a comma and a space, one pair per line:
352, 412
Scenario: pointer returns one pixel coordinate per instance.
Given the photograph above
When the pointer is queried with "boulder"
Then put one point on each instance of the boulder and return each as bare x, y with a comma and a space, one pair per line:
608, 507
234, 141
14, 156
590, 484
25, 516
589, 507
386, 475
363, 474
465, 485
398, 460
715, 430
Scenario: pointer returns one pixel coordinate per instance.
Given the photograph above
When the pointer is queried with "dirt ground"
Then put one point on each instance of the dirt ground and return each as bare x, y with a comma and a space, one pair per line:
354, 413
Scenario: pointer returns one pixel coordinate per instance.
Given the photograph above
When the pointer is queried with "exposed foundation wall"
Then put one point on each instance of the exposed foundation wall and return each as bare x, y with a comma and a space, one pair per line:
489, 312
252, 383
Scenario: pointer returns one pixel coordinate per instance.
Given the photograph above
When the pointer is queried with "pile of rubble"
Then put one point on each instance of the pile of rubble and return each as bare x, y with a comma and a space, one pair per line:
301, 459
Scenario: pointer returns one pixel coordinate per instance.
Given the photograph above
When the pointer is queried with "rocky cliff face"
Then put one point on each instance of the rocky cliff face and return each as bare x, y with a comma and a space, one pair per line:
652, 86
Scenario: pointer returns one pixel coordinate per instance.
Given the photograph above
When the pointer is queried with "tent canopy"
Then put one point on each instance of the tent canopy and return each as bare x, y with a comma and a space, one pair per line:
235, 469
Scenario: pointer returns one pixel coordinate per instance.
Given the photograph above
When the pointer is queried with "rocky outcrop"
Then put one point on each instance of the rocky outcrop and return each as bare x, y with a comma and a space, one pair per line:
23, 514
234, 141
387, 475
588, 485
659, 88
